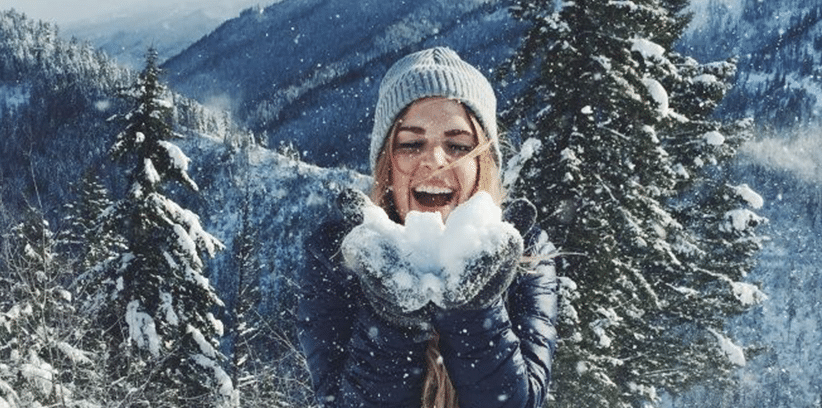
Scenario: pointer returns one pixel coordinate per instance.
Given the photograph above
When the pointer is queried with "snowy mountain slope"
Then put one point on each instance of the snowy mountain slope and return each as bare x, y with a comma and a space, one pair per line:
127, 38
307, 70
170, 27
778, 46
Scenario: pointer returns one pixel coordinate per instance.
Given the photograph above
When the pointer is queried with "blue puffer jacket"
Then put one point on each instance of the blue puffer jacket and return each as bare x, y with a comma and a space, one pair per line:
496, 357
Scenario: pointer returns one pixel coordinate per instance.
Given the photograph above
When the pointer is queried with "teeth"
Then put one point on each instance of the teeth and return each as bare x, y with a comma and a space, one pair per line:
433, 190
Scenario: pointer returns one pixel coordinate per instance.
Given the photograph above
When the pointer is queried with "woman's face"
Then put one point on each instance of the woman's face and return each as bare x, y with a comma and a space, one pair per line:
433, 133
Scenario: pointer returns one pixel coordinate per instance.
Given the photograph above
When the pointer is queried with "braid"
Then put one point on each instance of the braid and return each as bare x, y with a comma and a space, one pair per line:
437, 391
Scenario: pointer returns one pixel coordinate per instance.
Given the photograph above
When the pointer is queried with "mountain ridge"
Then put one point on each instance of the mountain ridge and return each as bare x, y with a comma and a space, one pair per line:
295, 66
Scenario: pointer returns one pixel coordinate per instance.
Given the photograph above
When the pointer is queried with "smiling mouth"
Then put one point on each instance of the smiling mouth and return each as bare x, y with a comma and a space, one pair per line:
433, 197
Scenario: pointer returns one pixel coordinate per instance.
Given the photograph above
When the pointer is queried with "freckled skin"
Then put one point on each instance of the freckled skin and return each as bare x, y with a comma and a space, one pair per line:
433, 133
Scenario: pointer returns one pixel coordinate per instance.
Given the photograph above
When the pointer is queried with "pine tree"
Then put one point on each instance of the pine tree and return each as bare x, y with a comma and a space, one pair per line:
612, 119
155, 302
83, 235
246, 322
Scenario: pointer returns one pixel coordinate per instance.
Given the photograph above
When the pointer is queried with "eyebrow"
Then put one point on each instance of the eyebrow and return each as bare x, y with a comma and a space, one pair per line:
417, 130
459, 132
413, 129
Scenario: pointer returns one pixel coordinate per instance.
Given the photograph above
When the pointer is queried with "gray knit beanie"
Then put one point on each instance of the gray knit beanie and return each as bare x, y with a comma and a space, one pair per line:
436, 71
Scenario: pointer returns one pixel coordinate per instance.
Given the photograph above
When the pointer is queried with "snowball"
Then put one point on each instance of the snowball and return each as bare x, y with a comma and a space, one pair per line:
434, 252
473, 228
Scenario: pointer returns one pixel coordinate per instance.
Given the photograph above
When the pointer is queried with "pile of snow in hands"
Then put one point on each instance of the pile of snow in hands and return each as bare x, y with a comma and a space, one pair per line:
433, 252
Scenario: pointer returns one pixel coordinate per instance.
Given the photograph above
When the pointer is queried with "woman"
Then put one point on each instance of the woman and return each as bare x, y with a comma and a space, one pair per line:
383, 324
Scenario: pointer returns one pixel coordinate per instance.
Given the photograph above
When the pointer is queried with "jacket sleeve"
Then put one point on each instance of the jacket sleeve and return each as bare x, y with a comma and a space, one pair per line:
355, 358
501, 356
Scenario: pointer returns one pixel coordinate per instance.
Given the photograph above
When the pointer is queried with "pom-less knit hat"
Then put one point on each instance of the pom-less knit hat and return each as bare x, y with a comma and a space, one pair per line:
433, 72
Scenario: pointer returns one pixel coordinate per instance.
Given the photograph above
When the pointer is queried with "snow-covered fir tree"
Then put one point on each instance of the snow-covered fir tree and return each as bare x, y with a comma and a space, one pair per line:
155, 302
83, 235
611, 120
43, 358
245, 321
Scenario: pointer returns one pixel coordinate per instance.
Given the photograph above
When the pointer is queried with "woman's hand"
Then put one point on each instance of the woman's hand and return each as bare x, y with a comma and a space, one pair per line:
485, 275
389, 280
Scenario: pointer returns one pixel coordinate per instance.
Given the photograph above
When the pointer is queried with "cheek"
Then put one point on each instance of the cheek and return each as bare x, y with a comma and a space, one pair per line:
400, 191
467, 176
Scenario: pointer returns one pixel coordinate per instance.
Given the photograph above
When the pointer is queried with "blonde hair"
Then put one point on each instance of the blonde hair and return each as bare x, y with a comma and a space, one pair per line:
438, 390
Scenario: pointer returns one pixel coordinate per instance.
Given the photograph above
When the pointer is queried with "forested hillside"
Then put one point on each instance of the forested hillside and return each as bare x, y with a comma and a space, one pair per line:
56, 95
778, 46
64, 232
307, 71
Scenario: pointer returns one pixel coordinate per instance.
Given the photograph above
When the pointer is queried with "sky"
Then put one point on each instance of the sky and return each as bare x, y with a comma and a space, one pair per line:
64, 12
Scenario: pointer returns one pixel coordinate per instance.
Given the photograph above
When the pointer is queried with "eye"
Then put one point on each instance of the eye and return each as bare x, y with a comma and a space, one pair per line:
412, 146
460, 149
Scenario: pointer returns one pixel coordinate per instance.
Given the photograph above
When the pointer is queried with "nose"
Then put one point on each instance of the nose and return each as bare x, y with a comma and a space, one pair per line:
435, 157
